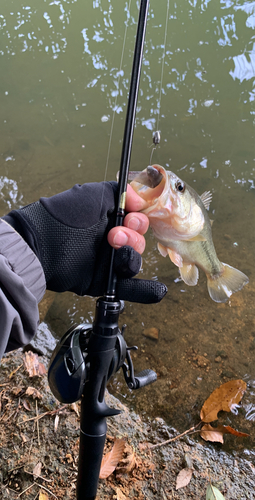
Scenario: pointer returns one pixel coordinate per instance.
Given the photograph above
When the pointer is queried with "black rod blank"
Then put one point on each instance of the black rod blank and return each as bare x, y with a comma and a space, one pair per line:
129, 131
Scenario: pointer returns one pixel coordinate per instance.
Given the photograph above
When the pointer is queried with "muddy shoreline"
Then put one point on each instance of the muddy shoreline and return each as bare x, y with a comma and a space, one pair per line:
38, 429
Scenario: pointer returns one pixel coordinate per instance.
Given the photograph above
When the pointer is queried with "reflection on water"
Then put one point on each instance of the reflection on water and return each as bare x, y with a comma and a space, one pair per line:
59, 81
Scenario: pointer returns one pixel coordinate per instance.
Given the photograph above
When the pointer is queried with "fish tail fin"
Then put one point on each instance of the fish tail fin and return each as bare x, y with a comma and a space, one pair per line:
230, 280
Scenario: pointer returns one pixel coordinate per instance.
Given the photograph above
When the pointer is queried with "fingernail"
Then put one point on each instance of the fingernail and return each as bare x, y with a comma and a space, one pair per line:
120, 239
134, 223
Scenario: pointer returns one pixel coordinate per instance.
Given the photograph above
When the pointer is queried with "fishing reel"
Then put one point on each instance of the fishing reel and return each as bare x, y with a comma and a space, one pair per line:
69, 368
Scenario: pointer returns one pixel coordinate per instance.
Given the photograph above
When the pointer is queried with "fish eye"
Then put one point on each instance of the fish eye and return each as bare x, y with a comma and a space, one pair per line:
180, 186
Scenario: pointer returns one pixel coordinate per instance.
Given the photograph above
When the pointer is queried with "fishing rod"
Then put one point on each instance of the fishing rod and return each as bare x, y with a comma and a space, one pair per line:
87, 355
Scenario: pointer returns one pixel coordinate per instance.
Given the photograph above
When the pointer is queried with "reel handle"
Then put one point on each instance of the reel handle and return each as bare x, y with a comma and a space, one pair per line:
143, 378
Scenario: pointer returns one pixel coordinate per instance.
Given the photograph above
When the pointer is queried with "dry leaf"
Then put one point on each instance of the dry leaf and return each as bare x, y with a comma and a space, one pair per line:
26, 405
209, 433
75, 408
31, 391
120, 495
37, 470
111, 459
225, 398
43, 495
230, 430
183, 478
56, 421
17, 390
33, 365
127, 464
215, 434
212, 493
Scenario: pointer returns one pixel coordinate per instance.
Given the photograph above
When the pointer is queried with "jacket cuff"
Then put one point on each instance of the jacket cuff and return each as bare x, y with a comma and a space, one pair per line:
22, 260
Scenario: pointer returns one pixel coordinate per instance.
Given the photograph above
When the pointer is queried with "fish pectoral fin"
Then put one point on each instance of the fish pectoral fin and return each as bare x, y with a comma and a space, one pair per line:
189, 274
198, 237
175, 257
206, 199
162, 250
228, 281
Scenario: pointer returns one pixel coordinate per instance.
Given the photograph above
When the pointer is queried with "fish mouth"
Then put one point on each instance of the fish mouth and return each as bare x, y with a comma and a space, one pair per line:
150, 177
153, 184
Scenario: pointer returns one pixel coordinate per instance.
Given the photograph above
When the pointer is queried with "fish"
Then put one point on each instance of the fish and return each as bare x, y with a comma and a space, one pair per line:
180, 222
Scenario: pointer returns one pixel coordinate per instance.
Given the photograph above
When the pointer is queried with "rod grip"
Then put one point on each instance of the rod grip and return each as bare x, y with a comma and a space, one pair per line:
90, 456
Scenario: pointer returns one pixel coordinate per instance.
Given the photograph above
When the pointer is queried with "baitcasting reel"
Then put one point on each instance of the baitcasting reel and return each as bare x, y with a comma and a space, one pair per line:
69, 368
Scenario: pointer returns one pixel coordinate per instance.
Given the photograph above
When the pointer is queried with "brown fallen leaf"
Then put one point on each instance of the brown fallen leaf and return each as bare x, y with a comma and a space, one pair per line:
225, 398
183, 478
31, 391
33, 366
215, 434
26, 405
127, 464
43, 495
209, 433
120, 495
112, 458
75, 408
17, 390
230, 430
37, 470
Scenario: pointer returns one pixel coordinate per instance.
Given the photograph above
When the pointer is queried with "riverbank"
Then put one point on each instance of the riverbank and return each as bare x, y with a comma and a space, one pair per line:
40, 441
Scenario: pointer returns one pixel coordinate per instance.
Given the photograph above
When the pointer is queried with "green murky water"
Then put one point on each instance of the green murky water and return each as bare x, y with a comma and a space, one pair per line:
59, 82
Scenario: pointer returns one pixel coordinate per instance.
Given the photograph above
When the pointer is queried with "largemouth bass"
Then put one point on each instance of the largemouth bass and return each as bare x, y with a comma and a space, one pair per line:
179, 220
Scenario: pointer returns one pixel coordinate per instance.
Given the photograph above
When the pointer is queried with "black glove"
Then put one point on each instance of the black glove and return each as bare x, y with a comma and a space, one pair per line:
68, 233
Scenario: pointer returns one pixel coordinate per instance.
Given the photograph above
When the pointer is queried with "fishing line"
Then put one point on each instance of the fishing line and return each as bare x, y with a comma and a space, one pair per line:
156, 135
115, 104
116, 97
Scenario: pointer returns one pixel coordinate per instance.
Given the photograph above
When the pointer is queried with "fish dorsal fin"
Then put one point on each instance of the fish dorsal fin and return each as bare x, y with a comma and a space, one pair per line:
206, 199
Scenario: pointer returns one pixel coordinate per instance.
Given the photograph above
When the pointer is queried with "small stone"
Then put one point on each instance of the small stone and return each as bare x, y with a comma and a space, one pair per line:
187, 462
151, 333
218, 359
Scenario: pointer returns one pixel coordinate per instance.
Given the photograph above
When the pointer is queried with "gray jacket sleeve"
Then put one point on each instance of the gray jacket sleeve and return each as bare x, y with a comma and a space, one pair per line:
22, 286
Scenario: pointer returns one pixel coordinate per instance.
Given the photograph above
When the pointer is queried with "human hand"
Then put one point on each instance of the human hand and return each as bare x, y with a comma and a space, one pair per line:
135, 225
68, 232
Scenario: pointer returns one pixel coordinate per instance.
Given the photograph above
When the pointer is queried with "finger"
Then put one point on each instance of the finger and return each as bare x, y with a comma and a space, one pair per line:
142, 291
137, 222
134, 203
120, 236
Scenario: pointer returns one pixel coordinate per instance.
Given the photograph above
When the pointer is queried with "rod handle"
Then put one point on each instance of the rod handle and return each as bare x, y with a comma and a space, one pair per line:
90, 456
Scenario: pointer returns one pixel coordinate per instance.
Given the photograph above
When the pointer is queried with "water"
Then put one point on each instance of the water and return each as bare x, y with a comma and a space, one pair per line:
59, 80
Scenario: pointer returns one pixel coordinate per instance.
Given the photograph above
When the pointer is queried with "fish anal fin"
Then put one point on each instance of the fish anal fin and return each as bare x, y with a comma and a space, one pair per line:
162, 250
175, 257
206, 199
230, 280
189, 274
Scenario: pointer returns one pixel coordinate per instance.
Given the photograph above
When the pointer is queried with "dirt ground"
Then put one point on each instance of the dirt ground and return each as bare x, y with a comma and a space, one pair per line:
40, 441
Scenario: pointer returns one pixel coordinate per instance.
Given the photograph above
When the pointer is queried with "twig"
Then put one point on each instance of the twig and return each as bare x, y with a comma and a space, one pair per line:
38, 417
14, 371
37, 424
28, 488
46, 489
40, 477
192, 429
